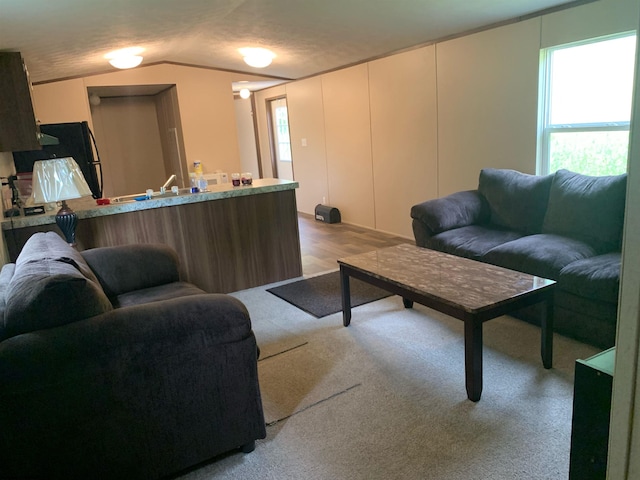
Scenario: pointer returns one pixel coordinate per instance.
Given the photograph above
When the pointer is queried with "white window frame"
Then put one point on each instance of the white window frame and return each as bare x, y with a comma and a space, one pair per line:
545, 127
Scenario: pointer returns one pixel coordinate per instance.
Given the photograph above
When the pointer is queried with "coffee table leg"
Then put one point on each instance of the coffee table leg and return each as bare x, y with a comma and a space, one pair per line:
473, 358
346, 297
407, 303
546, 325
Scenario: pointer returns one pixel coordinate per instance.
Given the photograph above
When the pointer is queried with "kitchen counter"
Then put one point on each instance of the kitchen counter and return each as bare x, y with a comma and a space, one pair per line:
227, 239
87, 207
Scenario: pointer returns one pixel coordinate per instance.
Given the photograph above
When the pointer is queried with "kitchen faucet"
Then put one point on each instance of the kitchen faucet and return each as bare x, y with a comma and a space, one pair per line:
170, 180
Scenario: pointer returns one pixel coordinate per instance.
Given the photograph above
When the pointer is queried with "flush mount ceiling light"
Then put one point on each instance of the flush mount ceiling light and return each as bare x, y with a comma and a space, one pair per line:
257, 57
125, 58
245, 93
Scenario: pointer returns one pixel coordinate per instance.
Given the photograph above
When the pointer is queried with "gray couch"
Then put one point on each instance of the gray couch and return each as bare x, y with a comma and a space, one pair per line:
111, 367
564, 226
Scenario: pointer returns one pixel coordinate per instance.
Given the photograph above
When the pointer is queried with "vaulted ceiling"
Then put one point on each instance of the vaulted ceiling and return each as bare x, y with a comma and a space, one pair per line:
69, 38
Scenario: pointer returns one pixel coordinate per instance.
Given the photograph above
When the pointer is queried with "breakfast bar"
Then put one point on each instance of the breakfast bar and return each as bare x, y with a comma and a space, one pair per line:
227, 239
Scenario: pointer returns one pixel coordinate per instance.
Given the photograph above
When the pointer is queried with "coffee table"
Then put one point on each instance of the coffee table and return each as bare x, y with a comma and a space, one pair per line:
468, 290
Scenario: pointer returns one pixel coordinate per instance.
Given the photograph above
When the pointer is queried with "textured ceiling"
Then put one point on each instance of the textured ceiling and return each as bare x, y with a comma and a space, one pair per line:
69, 38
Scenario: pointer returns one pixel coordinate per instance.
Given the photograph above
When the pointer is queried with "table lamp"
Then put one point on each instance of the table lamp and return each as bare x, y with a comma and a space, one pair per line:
60, 179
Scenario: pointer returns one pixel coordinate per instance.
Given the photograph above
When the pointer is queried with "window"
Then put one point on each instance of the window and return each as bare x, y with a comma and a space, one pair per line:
586, 94
282, 130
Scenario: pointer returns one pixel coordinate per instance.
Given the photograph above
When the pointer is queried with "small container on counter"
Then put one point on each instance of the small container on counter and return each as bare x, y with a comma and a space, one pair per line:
247, 179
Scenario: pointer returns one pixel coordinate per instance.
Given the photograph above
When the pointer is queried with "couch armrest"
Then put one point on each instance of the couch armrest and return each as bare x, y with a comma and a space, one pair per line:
119, 339
126, 268
453, 211
136, 382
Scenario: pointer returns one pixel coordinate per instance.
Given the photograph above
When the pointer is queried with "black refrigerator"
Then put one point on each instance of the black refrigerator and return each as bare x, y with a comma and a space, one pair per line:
76, 140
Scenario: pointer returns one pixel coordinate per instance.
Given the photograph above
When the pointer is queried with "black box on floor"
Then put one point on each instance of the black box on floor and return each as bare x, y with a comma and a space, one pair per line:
327, 214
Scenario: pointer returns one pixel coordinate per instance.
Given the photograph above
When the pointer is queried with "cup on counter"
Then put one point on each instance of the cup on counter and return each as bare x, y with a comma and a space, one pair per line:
247, 178
235, 179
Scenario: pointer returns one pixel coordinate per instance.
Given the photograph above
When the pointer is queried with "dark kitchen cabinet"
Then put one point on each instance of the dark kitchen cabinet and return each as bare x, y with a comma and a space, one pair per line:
18, 126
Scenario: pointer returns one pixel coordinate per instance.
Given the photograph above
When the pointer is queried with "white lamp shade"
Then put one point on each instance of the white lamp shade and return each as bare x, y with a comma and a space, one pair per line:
58, 179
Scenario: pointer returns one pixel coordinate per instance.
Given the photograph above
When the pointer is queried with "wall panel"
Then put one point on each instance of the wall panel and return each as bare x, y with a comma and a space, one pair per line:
487, 103
306, 122
348, 139
403, 136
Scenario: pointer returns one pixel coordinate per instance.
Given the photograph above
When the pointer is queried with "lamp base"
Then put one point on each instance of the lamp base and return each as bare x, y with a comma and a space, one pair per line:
66, 219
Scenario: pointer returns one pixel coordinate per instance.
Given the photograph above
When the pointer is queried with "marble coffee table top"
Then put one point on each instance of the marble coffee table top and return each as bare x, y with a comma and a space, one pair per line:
463, 283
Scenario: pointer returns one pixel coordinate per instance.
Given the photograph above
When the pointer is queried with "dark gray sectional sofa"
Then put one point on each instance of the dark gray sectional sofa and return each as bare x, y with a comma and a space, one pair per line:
564, 226
113, 368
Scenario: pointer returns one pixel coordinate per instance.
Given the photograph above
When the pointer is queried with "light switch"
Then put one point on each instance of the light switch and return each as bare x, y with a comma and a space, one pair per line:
303, 142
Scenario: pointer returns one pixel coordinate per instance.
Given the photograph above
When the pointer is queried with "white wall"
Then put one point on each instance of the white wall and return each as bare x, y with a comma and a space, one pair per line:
345, 96
421, 124
624, 439
306, 122
126, 129
205, 98
246, 137
487, 104
404, 142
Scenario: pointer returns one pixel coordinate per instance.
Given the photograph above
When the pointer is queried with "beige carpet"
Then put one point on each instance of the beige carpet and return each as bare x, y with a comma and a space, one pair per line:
385, 398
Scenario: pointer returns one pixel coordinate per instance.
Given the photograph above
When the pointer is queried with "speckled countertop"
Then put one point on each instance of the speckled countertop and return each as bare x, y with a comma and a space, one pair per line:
87, 207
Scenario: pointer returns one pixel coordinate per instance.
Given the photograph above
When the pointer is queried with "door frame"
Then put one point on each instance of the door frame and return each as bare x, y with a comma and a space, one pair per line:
270, 124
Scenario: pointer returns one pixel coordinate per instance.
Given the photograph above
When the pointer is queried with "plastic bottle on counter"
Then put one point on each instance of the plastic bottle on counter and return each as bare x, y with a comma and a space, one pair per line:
193, 182
200, 183
203, 184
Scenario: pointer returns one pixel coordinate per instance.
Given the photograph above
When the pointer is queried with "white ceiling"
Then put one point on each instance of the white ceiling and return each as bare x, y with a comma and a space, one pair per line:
69, 38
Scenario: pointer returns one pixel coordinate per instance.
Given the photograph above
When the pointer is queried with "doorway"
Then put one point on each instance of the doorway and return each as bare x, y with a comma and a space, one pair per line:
139, 136
279, 138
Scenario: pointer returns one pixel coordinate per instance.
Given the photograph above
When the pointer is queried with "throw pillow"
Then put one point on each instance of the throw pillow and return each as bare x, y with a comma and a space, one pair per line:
587, 208
518, 201
50, 246
49, 293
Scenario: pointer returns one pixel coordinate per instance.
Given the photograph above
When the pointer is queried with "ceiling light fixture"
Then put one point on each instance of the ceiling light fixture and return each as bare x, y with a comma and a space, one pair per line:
257, 57
125, 58
245, 93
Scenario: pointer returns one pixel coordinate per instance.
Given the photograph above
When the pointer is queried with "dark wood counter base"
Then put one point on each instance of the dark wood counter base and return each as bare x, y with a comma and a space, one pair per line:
224, 245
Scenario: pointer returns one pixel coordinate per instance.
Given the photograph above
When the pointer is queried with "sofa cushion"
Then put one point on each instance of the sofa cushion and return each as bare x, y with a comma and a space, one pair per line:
596, 278
587, 208
544, 255
518, 201
127, 268
51, 286
472, 241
